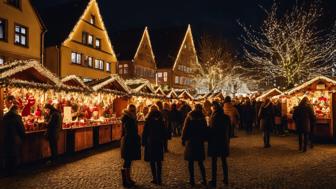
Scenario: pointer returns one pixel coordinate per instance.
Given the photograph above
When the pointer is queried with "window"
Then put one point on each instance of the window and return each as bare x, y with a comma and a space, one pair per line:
120, 68
165, 76
76, 58
93, 20
160, 74
15, 3
98, 43
21, 35
101, 65
90, 40
96, 64
2, 61
125, 68
84, 37
108, 66
3, 29
89, 61
176, 79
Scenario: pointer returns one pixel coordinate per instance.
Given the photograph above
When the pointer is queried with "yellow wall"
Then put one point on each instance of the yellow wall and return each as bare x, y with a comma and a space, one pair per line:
27, 17
74, 44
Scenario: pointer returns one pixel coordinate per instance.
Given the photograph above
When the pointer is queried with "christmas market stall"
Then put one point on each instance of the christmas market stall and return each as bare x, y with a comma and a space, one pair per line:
98, 114
321, 92
217, 96
33, 86
185, 95
172, 94
159, 91
269, 94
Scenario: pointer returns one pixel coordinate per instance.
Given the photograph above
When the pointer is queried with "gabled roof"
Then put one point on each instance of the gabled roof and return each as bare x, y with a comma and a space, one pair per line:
172, 94
186, 95
166, 43
75, 82
270, 93
113, 84
61, 19
126, 43
141, 86
306, 84
28, 72
159, 91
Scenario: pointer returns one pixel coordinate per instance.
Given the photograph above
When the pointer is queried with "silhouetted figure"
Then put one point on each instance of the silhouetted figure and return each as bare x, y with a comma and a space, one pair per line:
175, 120
54, 124
184, 110
304, 118
14, 133
130, 146
218, 145
266, 116
233, 113
153, 138
165, 114
193, 138
248, 112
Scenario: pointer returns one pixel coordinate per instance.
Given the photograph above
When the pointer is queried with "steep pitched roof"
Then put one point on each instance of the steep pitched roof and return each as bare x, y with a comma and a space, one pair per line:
125, 43
61, 19
166, 43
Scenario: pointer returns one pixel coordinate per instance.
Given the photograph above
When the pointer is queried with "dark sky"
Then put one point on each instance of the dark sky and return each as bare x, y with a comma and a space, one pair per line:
217, 17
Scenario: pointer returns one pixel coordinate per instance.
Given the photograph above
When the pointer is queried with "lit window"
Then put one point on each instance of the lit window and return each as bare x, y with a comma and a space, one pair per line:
2, 61
96, 64
108, 66
101, 65
21, 35
165, 76
90, 40
90, 61
92, 20
125, 68
15, 3
120, 68
3, 29
160, 74
76, 58
176, 79
98, 43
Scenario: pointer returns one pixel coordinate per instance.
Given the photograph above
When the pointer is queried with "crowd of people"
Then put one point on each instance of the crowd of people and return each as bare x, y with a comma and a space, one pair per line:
214, 123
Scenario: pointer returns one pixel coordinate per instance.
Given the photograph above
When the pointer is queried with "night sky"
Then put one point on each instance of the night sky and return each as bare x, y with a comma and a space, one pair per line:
216, 17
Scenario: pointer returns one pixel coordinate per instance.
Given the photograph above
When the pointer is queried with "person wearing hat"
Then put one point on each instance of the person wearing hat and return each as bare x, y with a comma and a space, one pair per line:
54, 123
14, 133
218, 142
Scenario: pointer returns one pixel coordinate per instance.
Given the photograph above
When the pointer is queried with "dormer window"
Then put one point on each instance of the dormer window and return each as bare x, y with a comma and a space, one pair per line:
93, 20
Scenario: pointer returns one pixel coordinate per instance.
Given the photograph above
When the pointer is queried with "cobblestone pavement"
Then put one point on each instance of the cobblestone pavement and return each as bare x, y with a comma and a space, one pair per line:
250, 166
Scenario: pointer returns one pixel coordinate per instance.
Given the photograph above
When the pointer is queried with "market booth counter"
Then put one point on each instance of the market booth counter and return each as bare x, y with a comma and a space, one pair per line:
28, 82
321, 92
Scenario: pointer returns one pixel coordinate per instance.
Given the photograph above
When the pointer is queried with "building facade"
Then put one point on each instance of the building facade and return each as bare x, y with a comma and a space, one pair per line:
81, 45
181, 66
21, 31
136, 57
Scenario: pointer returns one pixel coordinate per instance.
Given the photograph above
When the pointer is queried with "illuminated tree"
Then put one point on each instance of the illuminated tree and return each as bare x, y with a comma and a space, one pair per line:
289, 47
222, 69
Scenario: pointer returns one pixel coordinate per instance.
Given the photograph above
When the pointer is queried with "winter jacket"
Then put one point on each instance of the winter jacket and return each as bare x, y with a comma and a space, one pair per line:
194, 135
153, 136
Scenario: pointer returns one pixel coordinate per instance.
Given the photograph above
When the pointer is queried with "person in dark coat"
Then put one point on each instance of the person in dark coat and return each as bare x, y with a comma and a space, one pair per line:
266, 117
54, 124
130, 146
153, 138
14, 133
218, 142
193, 138
175, 119
184, 110
304, 118
248, 112
165, 114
